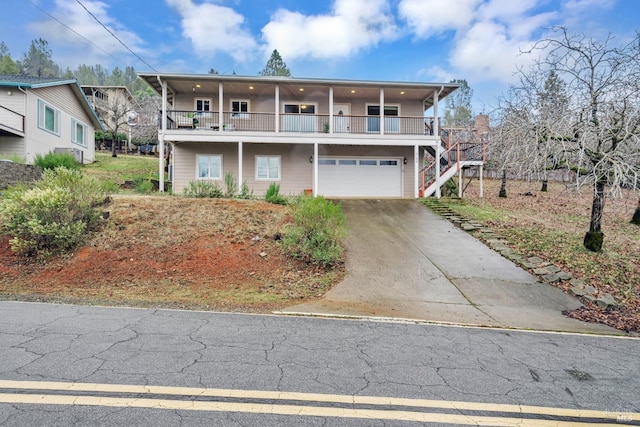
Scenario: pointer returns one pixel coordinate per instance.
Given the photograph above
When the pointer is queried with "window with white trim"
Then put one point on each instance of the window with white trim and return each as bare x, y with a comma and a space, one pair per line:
48, 117
203, 104
240, 108
268, 168
209, 166
79, 133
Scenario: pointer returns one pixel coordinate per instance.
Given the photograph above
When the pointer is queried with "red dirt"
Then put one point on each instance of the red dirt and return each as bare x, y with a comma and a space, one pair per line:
167, 251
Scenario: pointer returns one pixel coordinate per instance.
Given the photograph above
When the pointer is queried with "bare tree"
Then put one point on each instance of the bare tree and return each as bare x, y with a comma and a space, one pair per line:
112, 104
579, 107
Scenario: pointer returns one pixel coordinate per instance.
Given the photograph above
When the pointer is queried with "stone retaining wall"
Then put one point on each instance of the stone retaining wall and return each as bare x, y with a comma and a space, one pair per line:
12, 173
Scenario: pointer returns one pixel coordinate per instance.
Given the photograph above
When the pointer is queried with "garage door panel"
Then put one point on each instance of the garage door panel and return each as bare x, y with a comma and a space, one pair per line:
360, 177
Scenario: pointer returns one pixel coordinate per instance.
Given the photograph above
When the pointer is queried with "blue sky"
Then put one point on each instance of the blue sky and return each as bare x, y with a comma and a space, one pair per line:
405, 40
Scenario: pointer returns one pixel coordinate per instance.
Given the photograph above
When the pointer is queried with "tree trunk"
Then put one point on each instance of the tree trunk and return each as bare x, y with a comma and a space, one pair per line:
594, 237
636, 215
503, 185
544, 185
113, 148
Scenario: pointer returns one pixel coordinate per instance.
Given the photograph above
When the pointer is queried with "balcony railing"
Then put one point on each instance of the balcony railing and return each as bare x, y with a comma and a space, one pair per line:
299, 123
11, 119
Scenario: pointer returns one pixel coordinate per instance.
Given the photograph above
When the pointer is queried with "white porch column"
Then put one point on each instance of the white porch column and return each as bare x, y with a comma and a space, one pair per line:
438, 148
240, 164
220, 105
436, 122
330, 109
416, 170
315, 169
481, 172
277, 108
161, 137
460, 182
381, 111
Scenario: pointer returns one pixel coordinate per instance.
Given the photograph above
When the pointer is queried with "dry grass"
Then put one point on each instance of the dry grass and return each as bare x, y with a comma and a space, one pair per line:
175, 252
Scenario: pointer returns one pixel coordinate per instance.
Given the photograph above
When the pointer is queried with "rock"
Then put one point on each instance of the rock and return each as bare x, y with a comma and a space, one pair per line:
577, 291
536, 260
590, 289
590, 298
577, 282
468, 227
564, 275
606, 300
550, 278
263, 254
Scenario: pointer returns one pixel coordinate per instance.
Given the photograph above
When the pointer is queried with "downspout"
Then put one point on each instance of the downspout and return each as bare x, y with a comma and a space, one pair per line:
163, 129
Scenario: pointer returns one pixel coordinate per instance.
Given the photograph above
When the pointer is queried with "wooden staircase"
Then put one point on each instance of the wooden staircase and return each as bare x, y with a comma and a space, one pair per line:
453, 156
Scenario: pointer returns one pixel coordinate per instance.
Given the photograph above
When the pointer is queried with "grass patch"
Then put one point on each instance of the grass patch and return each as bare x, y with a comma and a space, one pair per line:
122, 168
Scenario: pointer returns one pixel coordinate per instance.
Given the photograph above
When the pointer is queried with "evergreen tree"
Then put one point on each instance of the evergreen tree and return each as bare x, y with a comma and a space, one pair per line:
275, 66
37, 61
7, 65
458, 112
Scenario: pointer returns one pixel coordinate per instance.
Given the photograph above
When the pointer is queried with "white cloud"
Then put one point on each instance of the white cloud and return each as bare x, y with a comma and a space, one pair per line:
488, 34
430, 17
76, 18
351, 26
212, 29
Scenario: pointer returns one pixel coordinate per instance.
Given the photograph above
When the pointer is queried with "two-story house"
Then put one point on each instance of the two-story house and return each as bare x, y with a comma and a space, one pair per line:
41, 115
336, 138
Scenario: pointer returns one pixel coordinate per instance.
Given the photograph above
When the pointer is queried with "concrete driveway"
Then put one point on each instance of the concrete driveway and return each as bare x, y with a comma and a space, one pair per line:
403, 261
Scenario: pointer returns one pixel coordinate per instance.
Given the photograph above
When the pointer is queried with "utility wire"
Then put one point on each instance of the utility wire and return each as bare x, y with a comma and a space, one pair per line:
115, 37
73, 31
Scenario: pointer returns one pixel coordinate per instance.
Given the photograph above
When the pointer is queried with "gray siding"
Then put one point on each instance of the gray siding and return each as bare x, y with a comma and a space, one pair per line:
12, 145
39, 141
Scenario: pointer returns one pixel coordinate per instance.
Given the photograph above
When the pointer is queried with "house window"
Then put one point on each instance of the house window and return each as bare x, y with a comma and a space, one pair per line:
210, 167
299, 108
240, 108
203, 104
268, 167
391, 122
48, 118
79, 133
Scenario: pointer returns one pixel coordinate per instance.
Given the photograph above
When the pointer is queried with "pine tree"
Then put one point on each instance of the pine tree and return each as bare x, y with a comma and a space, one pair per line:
275, 66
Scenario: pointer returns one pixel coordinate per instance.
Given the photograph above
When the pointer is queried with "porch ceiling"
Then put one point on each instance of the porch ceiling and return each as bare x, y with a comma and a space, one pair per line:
293, 88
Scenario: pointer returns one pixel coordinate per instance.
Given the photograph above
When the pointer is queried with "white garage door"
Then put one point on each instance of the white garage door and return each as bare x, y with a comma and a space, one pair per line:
360, 176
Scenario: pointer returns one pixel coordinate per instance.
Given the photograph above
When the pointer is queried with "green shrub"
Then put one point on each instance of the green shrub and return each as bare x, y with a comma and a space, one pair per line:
55, 160
317, 233
53, 217
273, 195
142, 185
245, 191
203, 189
231, 186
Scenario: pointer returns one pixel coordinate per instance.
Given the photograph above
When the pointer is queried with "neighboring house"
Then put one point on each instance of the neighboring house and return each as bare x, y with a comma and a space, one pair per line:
336, 138
40, 115
112, 104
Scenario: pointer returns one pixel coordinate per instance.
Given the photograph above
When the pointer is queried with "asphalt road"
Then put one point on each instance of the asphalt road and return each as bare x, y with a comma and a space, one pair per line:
69, 365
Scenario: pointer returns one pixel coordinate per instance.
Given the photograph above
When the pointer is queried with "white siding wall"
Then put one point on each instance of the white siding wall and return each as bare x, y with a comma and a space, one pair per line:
296, 170
13, 145
15, 101
39, 141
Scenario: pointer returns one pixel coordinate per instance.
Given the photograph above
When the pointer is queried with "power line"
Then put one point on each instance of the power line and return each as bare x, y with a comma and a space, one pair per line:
115, 37
72, 30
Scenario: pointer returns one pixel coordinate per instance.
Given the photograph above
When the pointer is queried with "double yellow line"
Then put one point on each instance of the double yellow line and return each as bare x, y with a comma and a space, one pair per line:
43, 393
